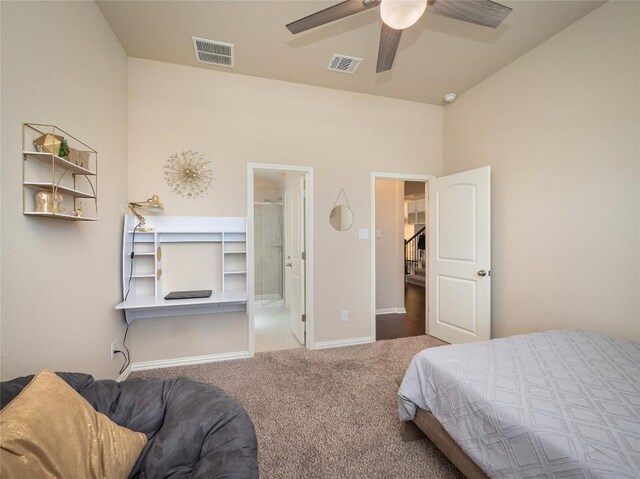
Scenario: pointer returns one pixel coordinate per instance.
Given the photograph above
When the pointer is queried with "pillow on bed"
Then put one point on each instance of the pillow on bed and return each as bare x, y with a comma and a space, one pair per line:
49, 430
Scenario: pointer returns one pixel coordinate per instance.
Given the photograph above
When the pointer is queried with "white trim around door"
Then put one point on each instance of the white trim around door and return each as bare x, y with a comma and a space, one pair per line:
308, 172
384, 176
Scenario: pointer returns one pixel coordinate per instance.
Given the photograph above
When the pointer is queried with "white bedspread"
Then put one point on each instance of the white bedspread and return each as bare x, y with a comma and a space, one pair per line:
558, 404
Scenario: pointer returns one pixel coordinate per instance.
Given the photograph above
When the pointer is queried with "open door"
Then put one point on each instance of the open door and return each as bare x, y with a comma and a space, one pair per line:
294, 249
460, 256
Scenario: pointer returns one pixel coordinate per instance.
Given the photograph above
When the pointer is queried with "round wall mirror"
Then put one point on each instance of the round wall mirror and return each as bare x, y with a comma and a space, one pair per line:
341, 217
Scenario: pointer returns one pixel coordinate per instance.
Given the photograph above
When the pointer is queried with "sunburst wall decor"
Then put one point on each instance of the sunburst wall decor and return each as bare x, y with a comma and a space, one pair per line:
189, 174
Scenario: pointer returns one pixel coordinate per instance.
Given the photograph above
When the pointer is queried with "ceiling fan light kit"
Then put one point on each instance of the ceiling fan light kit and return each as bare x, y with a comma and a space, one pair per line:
401, 14
398, 15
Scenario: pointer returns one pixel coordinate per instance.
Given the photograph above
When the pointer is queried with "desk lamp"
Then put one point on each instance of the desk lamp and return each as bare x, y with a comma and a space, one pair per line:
152, 204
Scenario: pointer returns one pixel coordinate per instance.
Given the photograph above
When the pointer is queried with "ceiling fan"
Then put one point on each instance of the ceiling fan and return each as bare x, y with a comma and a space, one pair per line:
400, 14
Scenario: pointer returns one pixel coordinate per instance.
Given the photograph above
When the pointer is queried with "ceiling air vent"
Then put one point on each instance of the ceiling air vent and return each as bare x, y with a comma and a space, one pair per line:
213, 53
344, 64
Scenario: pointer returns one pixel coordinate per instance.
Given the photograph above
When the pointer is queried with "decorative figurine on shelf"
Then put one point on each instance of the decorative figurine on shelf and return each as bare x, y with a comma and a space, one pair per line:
79, 211
48, 203
79, 157
48, 143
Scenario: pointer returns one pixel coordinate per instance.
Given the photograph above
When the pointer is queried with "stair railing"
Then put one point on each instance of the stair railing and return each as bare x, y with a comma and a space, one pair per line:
412, 252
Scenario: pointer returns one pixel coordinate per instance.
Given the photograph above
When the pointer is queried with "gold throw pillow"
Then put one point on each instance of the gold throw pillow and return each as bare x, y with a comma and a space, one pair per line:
51, 431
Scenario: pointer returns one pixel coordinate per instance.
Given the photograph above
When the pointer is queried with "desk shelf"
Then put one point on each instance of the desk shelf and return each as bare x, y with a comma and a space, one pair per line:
157, 307
145, 298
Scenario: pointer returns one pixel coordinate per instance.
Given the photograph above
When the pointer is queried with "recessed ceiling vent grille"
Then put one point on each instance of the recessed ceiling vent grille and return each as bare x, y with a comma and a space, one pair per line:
344, 64
213, 53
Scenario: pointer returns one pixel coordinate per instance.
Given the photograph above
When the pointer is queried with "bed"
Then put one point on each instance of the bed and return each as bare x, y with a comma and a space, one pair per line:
557, 404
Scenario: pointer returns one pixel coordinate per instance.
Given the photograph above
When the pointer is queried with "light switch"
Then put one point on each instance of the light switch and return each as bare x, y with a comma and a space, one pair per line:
378, 234
363, 233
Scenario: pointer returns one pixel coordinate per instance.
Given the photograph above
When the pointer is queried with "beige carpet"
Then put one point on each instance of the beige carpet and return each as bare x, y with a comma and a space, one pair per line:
328, 413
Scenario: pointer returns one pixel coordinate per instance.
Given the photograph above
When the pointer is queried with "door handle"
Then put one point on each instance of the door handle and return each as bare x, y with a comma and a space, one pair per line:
288, 265
482, 273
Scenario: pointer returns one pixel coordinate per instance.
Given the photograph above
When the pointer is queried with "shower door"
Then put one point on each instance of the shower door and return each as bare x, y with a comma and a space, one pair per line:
269, 251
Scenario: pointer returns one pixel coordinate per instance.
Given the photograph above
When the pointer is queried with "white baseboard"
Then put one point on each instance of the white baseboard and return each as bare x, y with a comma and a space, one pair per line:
342, 342
391, 311
169, 363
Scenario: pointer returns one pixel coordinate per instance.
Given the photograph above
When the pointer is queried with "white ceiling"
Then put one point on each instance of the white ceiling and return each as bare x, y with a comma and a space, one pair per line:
436, 56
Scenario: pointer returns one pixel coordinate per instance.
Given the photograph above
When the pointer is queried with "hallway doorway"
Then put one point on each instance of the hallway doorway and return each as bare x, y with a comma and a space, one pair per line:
399, 257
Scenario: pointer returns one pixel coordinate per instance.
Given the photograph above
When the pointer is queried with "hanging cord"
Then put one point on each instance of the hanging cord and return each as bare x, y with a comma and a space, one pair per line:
133, 254
342, 192
126, 353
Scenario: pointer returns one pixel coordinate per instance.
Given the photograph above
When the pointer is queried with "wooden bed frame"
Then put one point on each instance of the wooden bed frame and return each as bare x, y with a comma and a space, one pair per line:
426, 425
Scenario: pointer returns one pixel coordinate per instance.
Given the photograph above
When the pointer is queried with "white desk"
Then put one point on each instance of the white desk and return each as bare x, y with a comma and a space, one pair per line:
153, 307
146, 295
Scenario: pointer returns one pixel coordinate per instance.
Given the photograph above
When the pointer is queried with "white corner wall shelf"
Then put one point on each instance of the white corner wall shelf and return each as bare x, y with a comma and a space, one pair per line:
145, 297
73, 178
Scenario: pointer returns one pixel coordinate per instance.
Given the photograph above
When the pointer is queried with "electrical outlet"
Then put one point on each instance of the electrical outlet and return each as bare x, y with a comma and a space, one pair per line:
344, 316
113, 349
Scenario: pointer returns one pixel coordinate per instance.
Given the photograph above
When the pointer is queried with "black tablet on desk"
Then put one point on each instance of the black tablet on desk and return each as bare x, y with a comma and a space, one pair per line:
202, 293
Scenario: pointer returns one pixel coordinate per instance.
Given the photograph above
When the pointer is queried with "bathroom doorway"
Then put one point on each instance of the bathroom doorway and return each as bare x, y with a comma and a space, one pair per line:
278, 242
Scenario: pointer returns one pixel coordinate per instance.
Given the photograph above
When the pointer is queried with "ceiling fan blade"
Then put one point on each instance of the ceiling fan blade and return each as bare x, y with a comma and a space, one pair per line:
389, 41
480, 12
331, 14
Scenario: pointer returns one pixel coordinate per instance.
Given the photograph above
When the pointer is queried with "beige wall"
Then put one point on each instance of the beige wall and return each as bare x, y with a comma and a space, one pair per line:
237, 119
61, 280
390, 245
561, 129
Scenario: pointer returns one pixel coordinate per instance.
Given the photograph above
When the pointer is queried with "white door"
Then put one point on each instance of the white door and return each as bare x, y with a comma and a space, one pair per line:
294, 249
460, 256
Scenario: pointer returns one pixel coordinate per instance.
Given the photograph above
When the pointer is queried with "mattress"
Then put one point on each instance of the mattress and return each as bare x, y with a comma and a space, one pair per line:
557, 404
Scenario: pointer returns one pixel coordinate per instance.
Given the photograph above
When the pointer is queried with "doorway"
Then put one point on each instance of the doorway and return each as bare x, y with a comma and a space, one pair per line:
400, 256
458, 254
279, 251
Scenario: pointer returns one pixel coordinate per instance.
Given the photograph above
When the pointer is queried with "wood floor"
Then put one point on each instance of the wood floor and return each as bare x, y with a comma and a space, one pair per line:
412, 323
